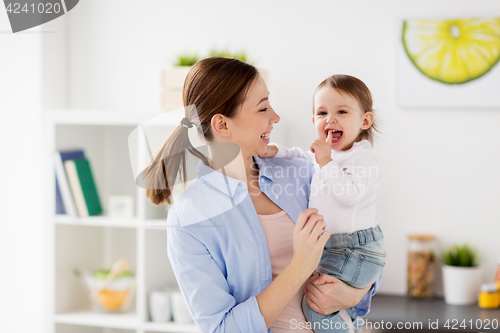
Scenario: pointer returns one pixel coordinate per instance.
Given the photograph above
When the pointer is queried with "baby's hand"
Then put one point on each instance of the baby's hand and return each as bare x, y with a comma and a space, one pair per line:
322, 151
272, 150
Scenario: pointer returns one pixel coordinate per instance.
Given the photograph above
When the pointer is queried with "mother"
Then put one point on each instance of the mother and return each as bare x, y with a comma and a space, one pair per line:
242, 247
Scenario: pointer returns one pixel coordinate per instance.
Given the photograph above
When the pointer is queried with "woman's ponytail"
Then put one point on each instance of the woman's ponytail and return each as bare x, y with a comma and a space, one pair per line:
169, 163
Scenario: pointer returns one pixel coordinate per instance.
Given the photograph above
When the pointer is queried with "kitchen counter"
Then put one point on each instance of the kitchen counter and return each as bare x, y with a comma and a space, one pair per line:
393, 313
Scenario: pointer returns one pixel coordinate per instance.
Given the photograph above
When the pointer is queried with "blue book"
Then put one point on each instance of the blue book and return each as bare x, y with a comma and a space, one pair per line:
59, 200
64, 199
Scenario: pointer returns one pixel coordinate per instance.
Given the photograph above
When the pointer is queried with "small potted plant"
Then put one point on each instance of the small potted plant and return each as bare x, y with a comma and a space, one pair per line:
461, 274
173, 80
240, 56
186, 60
225, 54
175, 76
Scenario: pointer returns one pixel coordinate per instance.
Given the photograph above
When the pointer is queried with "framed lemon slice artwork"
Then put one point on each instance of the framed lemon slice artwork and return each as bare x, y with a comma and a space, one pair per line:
449, 63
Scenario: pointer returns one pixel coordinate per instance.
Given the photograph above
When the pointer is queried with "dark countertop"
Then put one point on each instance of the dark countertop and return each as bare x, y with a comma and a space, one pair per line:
430, 315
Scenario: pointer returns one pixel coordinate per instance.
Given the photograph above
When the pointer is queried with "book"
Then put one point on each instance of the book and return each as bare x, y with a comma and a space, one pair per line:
59, 200
64, 198
81, 182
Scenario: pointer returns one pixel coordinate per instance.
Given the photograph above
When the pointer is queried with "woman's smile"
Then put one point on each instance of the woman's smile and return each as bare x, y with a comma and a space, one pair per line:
265, 137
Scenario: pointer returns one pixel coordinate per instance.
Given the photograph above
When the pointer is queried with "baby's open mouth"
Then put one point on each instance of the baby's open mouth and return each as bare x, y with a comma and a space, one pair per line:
335, 135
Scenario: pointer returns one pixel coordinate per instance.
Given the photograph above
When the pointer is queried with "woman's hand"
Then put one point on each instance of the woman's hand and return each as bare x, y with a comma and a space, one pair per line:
322, 150
326, 294
309, 239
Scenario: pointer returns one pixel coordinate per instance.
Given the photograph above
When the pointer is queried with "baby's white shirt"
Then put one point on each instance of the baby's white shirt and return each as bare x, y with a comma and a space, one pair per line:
345, 191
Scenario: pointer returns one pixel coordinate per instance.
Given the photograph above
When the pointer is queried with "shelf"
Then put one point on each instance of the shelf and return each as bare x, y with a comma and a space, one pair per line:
159, 224
170, 327
104, 221
97, 221
121, 321
110, 117
99, 117
94, 242
88, 318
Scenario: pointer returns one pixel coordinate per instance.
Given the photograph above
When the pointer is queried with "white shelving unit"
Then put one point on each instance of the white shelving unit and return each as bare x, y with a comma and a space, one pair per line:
96, 242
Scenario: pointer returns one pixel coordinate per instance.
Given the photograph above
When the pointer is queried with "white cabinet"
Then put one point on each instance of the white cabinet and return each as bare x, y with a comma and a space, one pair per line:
96, 242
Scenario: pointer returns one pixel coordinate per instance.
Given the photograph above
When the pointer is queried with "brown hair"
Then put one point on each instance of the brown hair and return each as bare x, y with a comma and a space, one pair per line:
213, 86
357, 89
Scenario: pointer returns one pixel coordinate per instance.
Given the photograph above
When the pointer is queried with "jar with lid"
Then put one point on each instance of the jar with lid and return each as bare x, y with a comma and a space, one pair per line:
489, 298
421, 265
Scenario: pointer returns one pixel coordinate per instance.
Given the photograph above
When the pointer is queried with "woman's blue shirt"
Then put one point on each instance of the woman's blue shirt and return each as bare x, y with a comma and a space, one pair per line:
218, 249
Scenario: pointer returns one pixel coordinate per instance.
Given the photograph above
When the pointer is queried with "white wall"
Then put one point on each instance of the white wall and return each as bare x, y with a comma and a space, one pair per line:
22, 233
439, 168
33, 77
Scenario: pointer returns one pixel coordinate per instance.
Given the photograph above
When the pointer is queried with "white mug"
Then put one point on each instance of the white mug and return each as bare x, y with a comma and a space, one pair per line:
159, 306
180, 311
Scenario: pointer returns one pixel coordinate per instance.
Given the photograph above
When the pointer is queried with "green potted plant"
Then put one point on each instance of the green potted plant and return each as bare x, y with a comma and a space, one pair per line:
222, 53
173, 80
237, 55
461, 274
186, 60
174, 77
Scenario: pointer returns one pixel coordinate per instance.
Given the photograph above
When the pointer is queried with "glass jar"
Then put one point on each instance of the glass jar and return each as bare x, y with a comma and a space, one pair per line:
489, 298
421, 265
